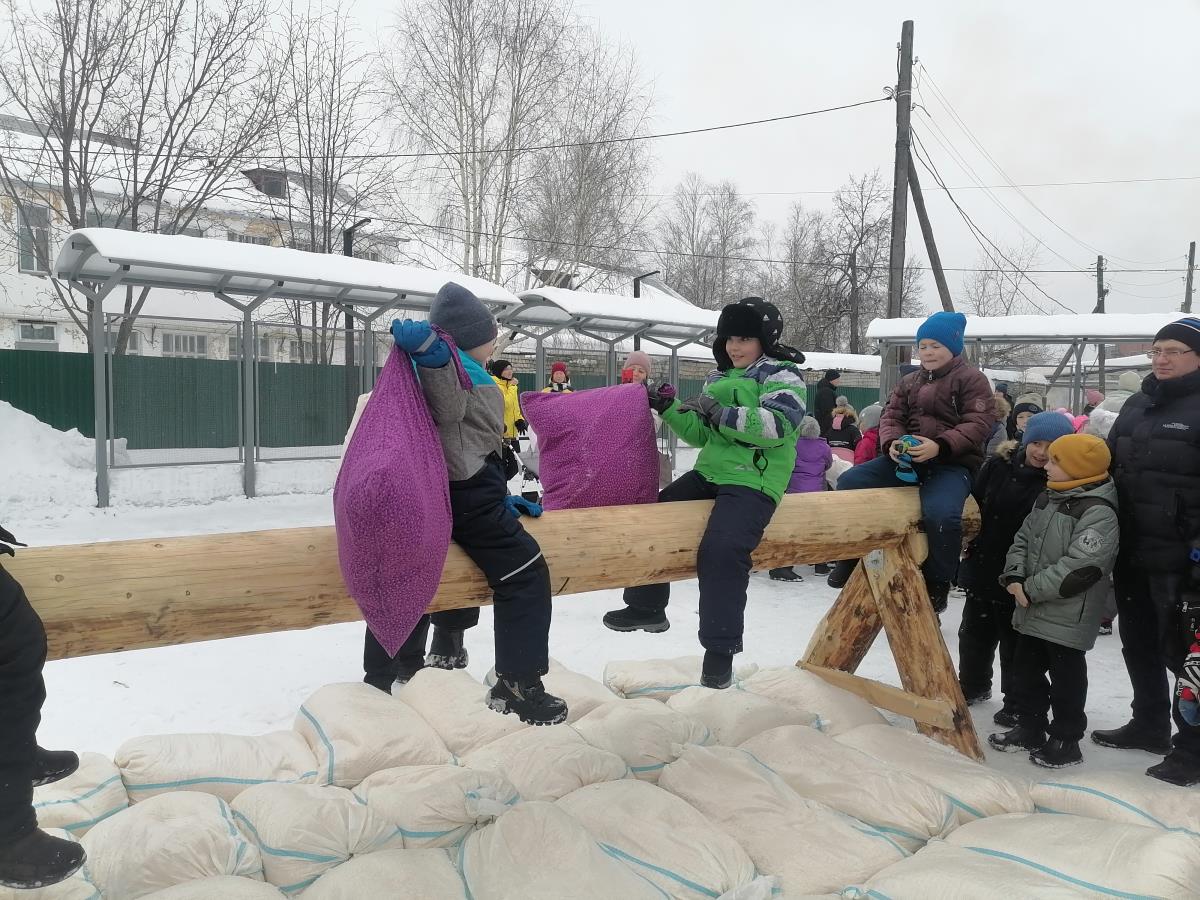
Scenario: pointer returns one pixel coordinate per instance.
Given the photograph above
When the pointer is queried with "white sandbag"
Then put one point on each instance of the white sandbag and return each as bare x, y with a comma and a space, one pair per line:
89, 795
78, 887
658, 679
538, 852
455, 706
1111, 859
304, 830
547, 763
436, 806
734, 716
975, 790
220, 764
810, 847
836, 710
355, 729
1128, 797
941, 871
224, 887
820, 768
835, 470
663, 837
644, 733
424, 874
167, 840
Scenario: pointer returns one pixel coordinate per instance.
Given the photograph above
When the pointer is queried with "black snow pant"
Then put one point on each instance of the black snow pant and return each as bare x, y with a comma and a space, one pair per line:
22, 692
736, 525
1065, 693
1153, 642
986, 626
381, 670
512, 562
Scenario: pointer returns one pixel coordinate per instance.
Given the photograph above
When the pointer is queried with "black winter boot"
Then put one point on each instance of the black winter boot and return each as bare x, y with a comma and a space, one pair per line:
1005, 717
380, 682
717, 672
1176, 769
630, 618
38, 860
842, 570
785, 573
1057, 754
939, 594
50, 766
822, 569
528, 699
1135, 736
1023, 737
977, 696
446, 650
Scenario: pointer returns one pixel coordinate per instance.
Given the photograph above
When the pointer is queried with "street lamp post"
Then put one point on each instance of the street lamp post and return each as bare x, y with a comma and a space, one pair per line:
637, 292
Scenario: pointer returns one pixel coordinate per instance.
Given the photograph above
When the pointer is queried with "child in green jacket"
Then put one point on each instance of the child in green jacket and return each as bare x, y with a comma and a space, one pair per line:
745, 424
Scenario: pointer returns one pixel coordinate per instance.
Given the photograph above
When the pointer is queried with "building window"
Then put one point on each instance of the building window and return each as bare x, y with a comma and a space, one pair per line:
36, 336
187, 345
262, 349
190, 231
249, 239
273, 184
33, 238
300, 351
133, 347
373, 256
96, 219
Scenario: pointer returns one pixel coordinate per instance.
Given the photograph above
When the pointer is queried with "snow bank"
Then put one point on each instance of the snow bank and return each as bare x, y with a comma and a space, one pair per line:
44, 467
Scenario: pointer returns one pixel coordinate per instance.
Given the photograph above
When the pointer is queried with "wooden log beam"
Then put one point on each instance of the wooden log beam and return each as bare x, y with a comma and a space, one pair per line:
923, 710
848, 629
100, 598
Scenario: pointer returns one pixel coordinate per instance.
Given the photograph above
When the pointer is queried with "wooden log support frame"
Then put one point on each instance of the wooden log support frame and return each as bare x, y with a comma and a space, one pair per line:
124, 595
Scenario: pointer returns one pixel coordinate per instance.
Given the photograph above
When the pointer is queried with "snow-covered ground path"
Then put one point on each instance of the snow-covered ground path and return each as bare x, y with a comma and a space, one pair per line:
255, 684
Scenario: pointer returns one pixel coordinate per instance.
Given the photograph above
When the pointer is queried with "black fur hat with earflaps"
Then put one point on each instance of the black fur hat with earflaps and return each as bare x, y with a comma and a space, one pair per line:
752, 317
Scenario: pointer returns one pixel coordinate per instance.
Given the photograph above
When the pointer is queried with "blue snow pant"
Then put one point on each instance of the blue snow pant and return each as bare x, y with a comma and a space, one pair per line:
944, 489
22, 692
735, 526
516, 572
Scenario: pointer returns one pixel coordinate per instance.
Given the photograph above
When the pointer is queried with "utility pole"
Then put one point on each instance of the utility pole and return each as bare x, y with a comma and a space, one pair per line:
1191, 269
637, 292
935, 258
890, 368
1101, 293
351, 387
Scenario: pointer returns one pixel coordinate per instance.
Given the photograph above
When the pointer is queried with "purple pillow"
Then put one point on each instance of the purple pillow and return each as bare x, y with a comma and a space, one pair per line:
596, 447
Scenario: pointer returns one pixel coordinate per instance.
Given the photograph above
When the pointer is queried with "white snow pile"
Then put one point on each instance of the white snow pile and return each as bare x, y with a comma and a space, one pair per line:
775, 790
44, 467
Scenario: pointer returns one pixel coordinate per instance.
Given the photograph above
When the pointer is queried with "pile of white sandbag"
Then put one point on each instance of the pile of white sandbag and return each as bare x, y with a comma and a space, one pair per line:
83, 799
658, 679
1128, 797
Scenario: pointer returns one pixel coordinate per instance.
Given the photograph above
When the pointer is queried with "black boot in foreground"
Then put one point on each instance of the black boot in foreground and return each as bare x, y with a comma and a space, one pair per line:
653, 621
717, 672
1023, 737
528, 699
50, 766
1057, 754
1176, 769
842, 570
38, 860
1135, 736
446, 650
939, 595
786, 573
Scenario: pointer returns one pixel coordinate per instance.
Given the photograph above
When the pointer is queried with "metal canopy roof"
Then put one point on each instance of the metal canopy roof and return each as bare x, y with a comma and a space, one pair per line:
231, 269
1086, 328
610, 317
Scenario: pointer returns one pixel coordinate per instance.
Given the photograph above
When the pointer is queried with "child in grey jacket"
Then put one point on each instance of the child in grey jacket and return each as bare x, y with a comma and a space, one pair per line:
1056, 572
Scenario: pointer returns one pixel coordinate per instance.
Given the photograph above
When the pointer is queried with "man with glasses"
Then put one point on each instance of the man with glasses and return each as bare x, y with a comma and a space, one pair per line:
1155, 446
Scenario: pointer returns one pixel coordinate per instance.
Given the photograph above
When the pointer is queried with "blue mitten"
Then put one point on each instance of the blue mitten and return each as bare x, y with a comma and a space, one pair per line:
421, 342
519, 505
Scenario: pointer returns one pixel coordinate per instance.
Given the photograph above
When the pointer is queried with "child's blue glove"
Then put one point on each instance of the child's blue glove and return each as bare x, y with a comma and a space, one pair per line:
519, 505
904, 467
421, 342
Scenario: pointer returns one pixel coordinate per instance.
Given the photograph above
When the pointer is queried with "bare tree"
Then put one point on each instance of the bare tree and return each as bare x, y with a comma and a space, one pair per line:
474, 82
585, 202
997, 287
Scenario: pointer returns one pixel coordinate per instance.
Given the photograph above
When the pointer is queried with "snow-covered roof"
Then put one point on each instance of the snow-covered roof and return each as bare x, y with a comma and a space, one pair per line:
656, 316
249, 270
1043, 329
1137, 361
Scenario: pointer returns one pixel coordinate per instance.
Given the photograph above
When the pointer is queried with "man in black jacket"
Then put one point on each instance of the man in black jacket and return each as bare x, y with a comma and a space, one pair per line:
29, 857
826, 399
1155, 446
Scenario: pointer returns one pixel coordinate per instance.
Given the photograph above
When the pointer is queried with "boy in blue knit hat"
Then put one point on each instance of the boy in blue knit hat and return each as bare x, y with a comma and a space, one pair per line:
947, 406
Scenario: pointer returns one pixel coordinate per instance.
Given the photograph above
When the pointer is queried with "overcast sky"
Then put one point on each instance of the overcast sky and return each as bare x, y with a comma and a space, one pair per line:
1054, 91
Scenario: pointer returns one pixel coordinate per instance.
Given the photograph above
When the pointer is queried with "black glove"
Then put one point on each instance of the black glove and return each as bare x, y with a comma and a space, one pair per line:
706, 407
661, 397
522, 427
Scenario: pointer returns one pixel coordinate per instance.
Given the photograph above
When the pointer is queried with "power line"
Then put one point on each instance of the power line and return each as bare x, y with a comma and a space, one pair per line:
563, 145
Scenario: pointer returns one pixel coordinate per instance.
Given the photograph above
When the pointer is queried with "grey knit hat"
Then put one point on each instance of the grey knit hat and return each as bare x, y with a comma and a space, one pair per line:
869, 417
809, 427
460, 313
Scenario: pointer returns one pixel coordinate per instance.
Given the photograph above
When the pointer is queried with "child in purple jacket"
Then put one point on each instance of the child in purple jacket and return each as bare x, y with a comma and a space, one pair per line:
813, 457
